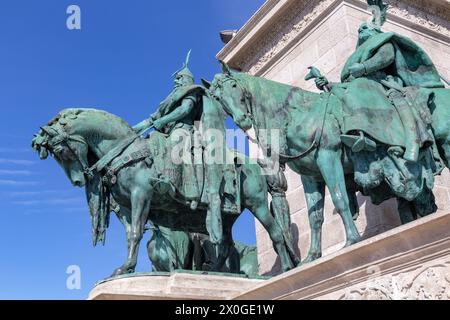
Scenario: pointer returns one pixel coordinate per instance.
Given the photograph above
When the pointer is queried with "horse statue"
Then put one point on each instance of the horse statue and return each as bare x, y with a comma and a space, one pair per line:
171, 250
311, 126
134, 176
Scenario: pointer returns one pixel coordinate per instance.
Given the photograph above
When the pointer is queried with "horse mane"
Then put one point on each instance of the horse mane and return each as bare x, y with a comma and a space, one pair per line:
242, 76
75, 112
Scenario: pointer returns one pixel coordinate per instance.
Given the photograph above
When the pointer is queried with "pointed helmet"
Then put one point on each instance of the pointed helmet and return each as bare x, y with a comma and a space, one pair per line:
184, 72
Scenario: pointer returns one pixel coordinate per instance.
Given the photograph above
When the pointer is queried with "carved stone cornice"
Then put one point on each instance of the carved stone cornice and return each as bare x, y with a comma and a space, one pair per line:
298, 18
280, 22
432, 15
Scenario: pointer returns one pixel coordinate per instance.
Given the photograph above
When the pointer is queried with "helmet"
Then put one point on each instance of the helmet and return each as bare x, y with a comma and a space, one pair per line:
184, 72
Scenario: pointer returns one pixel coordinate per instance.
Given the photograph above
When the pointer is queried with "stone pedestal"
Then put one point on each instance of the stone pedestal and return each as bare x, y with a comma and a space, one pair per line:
283, 39
408, 262
168, 286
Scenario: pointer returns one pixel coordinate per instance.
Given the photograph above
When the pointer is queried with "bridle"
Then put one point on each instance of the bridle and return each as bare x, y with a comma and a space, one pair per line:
246, 95
60, 136
250, 111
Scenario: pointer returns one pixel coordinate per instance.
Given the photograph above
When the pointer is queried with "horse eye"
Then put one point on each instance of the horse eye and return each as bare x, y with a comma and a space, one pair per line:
234, 85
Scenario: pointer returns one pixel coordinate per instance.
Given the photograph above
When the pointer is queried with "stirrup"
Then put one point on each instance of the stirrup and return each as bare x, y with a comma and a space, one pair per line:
359, 143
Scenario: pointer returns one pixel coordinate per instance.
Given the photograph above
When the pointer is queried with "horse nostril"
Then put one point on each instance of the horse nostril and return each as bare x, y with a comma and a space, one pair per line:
77, 183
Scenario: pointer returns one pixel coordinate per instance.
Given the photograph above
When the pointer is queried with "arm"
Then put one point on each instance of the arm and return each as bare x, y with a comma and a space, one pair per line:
384, 57
179, 113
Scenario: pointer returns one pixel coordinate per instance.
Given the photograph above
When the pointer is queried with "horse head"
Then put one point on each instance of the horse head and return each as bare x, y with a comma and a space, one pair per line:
69, 149
231, 92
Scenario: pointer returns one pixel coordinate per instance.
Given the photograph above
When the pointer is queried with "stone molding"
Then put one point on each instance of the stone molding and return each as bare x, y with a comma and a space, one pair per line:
168, 286
275, 27
408, 262
427, 282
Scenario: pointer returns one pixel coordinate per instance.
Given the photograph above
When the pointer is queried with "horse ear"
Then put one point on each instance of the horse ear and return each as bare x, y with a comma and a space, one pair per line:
206, 83
225, 68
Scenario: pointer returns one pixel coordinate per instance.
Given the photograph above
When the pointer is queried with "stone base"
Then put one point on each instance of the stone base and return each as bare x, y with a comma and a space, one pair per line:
409, 262
170, 286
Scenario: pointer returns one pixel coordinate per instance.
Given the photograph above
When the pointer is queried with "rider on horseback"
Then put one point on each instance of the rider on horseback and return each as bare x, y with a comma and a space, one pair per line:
179, 111
176, 117
385, 65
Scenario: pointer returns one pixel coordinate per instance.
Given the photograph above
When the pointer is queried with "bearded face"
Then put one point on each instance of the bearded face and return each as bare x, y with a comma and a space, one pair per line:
365, 32
181, 80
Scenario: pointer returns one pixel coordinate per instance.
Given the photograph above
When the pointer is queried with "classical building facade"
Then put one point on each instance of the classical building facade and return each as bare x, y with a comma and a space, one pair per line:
284, 38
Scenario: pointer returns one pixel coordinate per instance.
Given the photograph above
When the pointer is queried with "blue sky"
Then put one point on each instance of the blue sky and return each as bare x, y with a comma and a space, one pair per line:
120, 61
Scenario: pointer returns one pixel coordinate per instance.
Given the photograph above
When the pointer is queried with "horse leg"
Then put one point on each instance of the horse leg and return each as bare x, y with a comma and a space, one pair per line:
329, 162
140, 206
315, 195
124, 217
406, 211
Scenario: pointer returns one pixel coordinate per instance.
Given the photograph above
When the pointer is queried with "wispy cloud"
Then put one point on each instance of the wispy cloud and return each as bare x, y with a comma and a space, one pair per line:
51, 201
17, 183
17, 161
16, 172
75, 209
14, 150
55, 210
34, 193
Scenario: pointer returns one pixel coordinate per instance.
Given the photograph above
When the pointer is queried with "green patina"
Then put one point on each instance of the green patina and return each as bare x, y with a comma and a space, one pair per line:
383, 131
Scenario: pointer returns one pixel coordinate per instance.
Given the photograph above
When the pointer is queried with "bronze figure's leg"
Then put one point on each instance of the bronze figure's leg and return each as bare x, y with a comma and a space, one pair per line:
255, 195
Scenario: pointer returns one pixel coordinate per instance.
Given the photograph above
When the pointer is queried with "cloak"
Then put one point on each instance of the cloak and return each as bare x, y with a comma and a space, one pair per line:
412, 63
365, 103
174, 100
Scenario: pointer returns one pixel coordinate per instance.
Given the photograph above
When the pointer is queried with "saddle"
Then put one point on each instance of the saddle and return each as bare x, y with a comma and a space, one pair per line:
173, 176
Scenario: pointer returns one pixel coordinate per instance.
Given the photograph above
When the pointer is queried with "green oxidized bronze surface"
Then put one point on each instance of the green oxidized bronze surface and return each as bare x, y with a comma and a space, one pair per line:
384, 130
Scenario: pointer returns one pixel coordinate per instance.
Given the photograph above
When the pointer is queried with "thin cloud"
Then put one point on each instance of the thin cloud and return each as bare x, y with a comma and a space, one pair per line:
14, 150
17, 161
16, 172
75, 209
17, 183
56, 210
54, 201
17, 194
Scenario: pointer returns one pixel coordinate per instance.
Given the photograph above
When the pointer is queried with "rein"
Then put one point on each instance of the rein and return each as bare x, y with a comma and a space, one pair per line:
283, 157
104, 161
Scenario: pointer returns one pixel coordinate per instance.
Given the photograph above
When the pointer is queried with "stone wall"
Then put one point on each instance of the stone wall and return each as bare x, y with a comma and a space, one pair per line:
285, 37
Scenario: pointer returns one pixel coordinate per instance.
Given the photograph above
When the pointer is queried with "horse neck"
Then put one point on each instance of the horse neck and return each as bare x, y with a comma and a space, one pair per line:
102, 131
276, 115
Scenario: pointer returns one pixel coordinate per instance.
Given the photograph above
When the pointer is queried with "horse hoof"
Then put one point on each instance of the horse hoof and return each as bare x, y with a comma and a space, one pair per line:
351, 241
120, 271
310, 258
